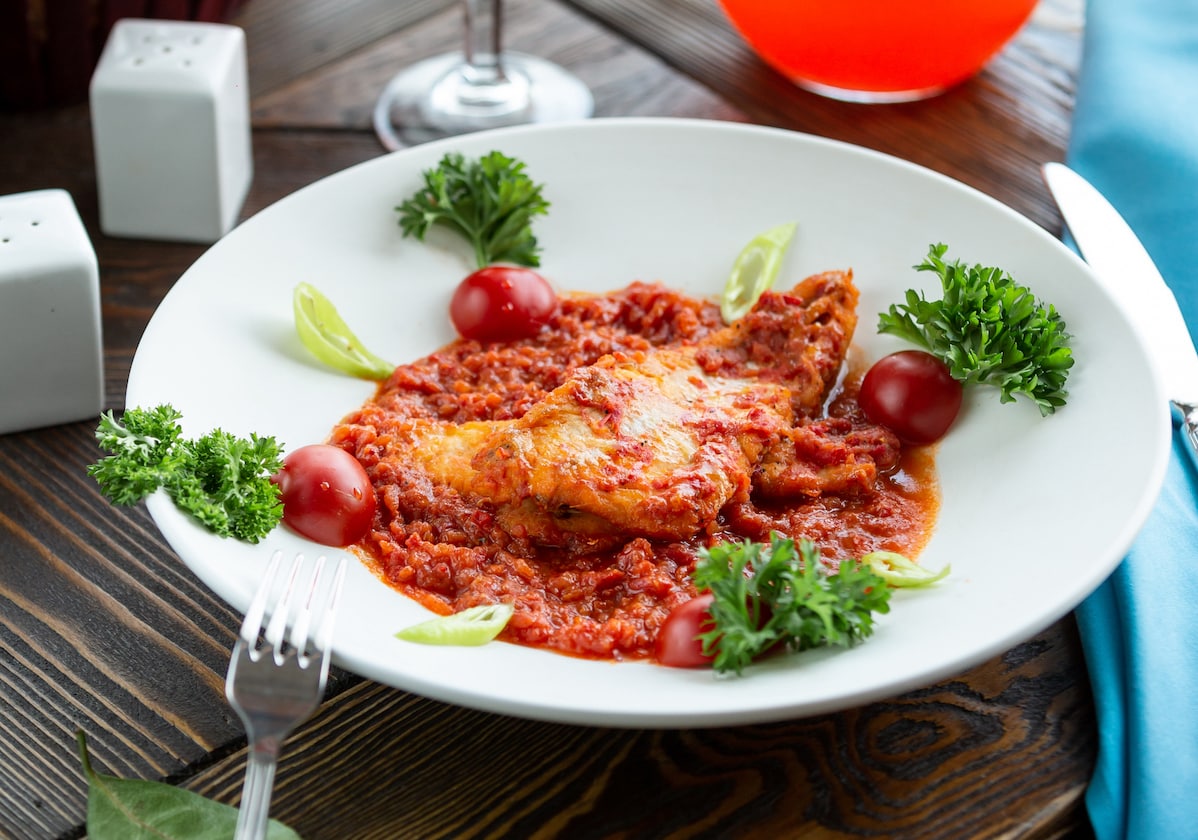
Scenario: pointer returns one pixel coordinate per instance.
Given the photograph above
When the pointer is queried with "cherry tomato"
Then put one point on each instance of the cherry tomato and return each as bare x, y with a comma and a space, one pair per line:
326, 494
911, 393
502, 303
677, 644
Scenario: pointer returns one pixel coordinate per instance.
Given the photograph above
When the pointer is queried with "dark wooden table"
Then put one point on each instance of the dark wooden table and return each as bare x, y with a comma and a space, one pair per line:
103, 629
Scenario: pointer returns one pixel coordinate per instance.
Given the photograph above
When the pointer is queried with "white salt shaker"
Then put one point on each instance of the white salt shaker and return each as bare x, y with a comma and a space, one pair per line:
171, 127
51, 351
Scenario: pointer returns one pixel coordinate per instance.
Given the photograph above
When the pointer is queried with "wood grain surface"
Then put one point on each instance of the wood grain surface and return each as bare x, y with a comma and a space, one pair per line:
946, 761
103, 629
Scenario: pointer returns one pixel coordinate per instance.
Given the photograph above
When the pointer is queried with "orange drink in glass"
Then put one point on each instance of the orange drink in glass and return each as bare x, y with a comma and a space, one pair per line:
877, 50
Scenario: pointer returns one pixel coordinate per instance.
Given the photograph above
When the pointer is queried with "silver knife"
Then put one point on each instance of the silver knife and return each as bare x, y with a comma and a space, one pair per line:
1123, 265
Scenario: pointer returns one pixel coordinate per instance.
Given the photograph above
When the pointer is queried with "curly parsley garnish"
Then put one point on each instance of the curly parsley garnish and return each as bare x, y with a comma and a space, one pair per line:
987, 328
221, 480
780, 594
490, 201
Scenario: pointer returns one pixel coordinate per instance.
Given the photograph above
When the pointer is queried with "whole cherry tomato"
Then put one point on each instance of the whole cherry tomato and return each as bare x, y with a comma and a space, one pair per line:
326, 494
677, 643
913, 394
502, 303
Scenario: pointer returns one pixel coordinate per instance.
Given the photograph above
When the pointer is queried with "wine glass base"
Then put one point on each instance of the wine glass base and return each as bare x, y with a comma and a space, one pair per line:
434, 98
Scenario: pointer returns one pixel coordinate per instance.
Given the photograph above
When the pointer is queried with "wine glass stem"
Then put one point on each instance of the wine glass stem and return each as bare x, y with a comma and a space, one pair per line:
484, 53
477, 88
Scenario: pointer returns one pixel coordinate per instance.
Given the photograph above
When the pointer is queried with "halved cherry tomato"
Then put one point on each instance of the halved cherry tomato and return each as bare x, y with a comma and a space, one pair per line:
326, 494
677, 643
913, 394
502, 303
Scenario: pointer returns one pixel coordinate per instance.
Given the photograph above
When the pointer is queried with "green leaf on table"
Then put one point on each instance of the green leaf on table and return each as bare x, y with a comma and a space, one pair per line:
136, 809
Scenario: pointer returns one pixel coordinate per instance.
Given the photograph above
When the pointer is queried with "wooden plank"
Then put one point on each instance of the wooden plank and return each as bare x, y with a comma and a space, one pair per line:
103, 629
286, 40
996, 753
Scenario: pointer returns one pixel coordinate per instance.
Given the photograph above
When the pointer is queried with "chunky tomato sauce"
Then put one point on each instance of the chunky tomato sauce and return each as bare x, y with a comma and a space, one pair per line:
449, 553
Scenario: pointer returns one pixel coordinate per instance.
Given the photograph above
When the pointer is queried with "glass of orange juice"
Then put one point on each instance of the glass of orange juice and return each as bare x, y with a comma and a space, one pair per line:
877, 50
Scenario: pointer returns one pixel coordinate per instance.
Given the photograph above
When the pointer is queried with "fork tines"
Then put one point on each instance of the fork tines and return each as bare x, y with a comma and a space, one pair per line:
263, 632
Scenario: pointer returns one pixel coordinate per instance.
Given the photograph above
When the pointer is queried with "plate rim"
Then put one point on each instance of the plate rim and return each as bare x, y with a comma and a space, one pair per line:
161, 509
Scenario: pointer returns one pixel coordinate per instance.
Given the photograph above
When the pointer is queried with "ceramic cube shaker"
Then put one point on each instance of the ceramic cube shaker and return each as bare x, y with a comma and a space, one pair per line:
51, 357
171, 128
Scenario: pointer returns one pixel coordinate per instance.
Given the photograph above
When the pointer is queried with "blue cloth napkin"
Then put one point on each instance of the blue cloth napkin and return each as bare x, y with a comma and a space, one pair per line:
1135, 137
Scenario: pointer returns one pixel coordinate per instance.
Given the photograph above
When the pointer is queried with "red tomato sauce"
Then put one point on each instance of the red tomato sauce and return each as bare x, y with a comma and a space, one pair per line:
448, 553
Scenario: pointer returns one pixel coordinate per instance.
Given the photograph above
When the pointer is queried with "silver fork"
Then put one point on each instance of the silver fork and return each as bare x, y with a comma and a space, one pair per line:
274, 683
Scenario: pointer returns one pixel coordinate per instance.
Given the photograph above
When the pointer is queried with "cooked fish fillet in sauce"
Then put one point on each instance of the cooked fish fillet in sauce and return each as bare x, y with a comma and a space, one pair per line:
656, 443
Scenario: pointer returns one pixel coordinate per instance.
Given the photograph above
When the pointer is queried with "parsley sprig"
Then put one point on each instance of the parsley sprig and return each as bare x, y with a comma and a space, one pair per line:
491, 201
780, 594
220, 479
987, 328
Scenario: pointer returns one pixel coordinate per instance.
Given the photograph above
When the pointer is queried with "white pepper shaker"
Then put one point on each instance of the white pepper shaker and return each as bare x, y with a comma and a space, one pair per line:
171, 128
51, 349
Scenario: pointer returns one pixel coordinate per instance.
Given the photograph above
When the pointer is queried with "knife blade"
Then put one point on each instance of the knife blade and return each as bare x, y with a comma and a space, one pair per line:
1126, 269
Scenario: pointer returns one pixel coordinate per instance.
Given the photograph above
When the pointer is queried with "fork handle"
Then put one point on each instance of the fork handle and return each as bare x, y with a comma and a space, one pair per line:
254, 812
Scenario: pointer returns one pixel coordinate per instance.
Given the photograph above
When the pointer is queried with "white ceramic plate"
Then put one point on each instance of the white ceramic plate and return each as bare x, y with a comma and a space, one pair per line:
1036, 512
